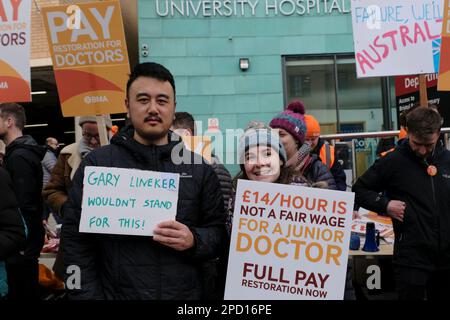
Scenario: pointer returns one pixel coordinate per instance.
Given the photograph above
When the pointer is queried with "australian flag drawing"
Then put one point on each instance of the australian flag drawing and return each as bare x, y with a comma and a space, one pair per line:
436, 53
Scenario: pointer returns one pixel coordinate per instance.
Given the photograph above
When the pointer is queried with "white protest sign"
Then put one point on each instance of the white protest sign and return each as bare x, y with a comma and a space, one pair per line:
15, 51
396, 37
288, 242
127, 201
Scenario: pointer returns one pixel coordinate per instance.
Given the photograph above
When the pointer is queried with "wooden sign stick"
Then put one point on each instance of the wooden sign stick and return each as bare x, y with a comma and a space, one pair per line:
102, 130
423, 91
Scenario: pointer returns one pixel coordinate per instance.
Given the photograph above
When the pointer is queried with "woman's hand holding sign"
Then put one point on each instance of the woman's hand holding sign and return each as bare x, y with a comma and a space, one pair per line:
174, 234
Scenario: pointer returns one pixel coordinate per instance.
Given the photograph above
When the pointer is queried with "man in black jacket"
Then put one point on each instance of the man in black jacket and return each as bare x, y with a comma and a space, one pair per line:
23, 162
415, 179
214, 270
12, 229
184, 125
167, 266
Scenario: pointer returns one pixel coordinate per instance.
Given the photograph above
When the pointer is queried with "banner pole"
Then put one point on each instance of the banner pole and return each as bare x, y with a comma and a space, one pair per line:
423, 91
102, 130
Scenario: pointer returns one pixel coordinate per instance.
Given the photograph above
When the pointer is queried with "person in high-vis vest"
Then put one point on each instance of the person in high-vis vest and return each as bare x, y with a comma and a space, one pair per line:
402, 135
325, 151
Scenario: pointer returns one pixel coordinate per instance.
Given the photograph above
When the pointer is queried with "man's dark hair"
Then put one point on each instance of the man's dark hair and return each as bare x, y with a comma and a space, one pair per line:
184, 120
423, 121
404, 113
151, 70
15, 111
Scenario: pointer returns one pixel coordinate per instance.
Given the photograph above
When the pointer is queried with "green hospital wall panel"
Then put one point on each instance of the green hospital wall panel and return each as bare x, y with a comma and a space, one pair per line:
203, 54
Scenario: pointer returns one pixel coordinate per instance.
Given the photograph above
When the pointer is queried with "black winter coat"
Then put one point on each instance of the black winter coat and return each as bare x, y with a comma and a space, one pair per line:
317, 171
422, 240
226, 182
12, 230
136, 267
23, 162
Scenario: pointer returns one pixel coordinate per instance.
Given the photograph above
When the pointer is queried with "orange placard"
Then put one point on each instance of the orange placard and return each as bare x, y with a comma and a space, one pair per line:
15, 51
444, 65
90, 59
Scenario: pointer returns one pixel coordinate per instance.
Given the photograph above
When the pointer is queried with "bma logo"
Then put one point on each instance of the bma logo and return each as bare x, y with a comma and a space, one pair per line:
95, 99
74, 279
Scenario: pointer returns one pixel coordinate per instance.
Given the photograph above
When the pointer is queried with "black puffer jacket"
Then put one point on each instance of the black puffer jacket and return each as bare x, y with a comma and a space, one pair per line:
23, 162
422, 240
12, 231
133, 267
317, 171
226, 183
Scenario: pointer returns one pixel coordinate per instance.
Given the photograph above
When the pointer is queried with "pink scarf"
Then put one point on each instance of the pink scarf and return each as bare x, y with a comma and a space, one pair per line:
301, 160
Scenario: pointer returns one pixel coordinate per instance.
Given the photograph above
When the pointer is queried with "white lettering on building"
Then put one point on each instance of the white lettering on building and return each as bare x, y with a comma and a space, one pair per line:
247, 8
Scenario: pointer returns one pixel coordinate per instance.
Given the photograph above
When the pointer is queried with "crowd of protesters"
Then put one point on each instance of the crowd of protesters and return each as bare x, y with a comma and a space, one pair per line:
187, 258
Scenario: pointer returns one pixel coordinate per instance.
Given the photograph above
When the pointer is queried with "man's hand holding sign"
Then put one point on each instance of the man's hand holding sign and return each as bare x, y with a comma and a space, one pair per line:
174, 234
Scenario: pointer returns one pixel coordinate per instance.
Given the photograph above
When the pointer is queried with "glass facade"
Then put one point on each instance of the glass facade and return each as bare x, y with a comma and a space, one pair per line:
341, 102
312, 81
328, 86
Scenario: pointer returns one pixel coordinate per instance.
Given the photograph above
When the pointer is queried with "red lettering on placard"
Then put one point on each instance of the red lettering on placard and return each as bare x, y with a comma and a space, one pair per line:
362, 60
15, 4
391, 34
404, 36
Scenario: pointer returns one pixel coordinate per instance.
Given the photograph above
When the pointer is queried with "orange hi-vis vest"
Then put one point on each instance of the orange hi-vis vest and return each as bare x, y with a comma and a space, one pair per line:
327, 155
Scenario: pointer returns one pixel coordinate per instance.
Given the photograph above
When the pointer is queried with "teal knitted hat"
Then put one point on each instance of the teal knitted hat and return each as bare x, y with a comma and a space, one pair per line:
259, 134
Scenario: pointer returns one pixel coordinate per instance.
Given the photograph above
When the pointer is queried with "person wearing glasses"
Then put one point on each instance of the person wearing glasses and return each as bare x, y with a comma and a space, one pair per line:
56, 191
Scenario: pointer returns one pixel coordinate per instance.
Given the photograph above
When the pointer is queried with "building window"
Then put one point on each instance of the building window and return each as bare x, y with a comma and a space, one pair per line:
331, 92
300, 85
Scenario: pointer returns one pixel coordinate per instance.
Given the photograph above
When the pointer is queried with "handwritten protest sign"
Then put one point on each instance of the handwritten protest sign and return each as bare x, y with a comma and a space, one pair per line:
90, 60
15, 51
127, 201
444, 70
396, 37
288, 242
